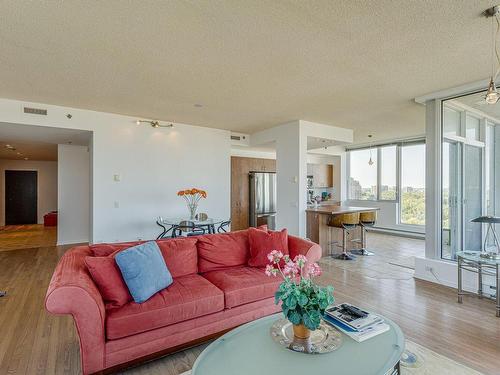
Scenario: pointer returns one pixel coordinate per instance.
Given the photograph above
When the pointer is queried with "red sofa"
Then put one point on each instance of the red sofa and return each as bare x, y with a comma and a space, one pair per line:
213, 291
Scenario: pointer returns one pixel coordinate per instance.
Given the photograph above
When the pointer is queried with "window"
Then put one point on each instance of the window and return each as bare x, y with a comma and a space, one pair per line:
472, 128
388, 156
451, 122
363, 176
396, 175
413, 184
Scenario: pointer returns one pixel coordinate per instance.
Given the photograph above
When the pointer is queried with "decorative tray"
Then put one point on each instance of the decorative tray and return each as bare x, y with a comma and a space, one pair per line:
325, 339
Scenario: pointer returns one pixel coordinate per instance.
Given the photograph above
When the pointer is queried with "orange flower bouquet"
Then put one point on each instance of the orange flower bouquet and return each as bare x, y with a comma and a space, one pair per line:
192, 197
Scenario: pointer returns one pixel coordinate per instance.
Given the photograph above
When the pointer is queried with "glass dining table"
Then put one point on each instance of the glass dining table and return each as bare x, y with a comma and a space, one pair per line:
170, 225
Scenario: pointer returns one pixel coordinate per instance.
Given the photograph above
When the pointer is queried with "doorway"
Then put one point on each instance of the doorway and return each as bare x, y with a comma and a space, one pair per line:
21, 197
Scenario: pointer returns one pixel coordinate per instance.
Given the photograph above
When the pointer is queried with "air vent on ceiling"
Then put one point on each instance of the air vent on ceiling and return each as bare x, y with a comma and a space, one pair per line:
35, 111
237, 137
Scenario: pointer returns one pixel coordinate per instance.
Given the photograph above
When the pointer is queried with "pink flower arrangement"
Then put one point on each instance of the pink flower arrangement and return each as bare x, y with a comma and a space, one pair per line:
284, 266
302, 300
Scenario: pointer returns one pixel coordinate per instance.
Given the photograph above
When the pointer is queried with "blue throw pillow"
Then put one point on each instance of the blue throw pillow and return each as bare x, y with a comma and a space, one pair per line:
144, 270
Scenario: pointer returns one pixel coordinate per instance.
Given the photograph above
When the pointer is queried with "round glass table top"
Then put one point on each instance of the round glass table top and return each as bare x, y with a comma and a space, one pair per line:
475, 256
250, 350
178, 220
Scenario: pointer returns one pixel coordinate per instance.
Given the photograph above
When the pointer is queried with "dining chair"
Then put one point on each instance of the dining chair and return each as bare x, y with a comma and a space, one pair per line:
159, 221
188, 227
223, 226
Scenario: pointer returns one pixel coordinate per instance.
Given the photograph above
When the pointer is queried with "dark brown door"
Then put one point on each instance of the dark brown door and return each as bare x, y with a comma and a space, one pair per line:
21, 197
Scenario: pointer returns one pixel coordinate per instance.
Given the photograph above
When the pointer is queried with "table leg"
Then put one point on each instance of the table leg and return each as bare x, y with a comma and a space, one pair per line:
480, 280
497, 276
459, 279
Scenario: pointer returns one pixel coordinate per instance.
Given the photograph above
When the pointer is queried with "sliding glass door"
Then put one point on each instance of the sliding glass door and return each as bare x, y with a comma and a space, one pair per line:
451, 198
472, 197
462, 183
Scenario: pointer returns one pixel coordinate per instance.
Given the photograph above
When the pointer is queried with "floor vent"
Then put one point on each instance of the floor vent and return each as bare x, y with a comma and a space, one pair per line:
35, 111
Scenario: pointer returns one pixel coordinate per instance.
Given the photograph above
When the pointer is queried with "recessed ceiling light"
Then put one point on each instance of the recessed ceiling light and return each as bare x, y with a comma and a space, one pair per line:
198, 105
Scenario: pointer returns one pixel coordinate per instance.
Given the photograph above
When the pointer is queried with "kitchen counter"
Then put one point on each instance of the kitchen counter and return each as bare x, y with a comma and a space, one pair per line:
338, 210
318, 230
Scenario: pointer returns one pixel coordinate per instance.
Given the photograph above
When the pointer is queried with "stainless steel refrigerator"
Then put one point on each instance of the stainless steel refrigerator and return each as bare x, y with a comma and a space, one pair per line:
263, 199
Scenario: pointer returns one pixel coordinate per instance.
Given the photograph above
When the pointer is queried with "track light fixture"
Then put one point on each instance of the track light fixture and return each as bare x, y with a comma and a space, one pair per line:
154, 123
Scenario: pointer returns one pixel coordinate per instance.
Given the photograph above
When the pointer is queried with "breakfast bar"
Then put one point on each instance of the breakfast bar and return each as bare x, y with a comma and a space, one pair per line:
319, 231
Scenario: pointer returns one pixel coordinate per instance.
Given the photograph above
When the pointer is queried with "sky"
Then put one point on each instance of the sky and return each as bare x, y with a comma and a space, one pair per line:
413, 166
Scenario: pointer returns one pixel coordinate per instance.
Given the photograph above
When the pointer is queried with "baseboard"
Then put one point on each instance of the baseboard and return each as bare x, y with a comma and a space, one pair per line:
72, 242
398, 232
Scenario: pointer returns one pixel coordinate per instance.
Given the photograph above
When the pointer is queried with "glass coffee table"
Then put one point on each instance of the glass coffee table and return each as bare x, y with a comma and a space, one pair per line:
250, 350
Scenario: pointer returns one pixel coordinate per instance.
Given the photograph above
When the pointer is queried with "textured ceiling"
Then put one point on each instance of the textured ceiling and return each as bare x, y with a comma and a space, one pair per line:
251, 64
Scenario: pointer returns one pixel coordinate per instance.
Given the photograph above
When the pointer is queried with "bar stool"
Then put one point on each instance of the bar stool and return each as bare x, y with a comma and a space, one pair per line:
367, 219
347, 222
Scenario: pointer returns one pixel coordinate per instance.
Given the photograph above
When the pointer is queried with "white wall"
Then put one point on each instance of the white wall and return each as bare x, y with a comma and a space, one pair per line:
74, 194
47, 184
153, 163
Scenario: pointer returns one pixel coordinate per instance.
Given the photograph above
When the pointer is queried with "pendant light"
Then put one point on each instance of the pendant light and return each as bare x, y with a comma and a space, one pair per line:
370, 162
492, 95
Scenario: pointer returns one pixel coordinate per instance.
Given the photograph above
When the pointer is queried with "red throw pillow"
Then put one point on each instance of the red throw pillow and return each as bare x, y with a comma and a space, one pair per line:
109, 281
262, 243
180, 254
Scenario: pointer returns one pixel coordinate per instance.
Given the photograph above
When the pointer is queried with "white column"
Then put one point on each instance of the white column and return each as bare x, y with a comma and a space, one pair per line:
433, 180
291, 170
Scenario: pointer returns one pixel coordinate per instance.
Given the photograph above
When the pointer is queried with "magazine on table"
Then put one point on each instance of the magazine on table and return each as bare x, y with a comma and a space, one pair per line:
352, 316
354, 322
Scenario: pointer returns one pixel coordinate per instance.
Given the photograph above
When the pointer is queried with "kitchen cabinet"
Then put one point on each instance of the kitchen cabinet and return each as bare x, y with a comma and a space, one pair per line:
240, 192
322, 175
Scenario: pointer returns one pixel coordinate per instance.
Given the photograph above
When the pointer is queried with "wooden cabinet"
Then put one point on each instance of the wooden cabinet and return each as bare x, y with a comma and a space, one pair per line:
322, 175
240, 192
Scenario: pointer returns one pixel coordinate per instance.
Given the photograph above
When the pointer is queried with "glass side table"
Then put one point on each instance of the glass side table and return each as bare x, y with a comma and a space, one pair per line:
472, 261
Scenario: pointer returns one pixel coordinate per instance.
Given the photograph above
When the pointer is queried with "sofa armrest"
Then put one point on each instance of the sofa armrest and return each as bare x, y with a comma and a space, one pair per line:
72, 291
300, 246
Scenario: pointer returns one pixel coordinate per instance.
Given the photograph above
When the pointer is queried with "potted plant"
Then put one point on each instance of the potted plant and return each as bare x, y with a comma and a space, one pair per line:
303, 301
192, 197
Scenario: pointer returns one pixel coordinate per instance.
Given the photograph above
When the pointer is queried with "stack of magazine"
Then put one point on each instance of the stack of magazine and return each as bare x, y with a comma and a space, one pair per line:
354, 322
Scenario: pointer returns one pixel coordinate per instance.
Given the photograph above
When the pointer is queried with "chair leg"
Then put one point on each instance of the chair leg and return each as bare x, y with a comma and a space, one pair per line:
344, 255
363, 250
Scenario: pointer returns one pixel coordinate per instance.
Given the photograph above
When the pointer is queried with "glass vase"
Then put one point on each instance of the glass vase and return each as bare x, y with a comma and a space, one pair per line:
192, 211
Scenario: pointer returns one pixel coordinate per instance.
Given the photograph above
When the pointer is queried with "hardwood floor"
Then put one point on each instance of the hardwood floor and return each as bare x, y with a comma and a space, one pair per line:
14, 237
35, 342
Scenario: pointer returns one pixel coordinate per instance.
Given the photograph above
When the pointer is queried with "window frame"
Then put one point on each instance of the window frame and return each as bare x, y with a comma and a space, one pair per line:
400, 166
378, 147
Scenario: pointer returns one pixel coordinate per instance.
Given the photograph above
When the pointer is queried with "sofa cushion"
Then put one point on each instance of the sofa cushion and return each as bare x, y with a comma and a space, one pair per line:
243, 284
180, 254
218, 251
144, 270
109, 281
262, 243
105, 249
188, 297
